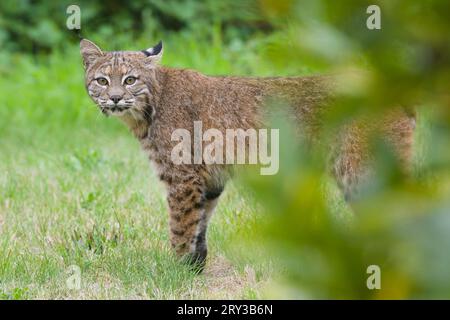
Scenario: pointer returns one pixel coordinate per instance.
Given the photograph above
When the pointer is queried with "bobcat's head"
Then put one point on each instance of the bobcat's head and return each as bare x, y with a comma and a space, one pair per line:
121, 82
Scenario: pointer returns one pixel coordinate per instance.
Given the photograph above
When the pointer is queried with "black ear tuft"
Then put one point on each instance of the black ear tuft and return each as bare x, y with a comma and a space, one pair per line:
157, 49
154, 50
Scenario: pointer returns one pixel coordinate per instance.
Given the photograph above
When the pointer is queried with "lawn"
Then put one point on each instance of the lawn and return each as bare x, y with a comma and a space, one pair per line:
77, 192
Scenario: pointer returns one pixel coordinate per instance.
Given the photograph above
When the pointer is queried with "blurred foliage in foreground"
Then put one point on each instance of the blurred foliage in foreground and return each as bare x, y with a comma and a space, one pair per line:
323, 248
400, 224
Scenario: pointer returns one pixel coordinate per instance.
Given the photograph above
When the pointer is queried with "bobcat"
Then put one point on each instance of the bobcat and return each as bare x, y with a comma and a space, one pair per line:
153, 101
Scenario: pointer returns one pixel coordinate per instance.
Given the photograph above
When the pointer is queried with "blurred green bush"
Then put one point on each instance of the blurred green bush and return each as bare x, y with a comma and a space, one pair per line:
39, 26
322, 246
400, 224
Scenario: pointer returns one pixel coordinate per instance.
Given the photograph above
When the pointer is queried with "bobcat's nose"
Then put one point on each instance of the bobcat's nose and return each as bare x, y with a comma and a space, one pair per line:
116, 98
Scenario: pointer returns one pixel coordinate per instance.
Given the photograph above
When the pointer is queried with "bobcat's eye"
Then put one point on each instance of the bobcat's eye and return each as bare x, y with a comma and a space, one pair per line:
130, 80
102, 81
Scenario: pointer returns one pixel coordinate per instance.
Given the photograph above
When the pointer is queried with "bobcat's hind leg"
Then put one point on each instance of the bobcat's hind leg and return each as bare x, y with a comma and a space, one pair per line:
350, 162
354, 162
350, 175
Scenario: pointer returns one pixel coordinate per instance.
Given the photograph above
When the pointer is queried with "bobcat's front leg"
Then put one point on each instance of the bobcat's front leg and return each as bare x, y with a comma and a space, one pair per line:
190, 208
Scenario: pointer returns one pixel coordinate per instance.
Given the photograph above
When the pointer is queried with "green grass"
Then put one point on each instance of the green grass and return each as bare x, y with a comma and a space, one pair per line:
75, 189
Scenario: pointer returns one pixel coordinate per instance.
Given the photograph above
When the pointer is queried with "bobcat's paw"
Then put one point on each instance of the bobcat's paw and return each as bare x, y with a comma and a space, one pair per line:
196, 260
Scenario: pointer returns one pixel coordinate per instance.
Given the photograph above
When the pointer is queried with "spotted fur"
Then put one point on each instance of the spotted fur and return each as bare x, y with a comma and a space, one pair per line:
164, 99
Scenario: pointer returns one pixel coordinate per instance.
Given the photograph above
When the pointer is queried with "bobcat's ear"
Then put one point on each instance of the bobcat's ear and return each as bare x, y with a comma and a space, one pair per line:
90, 52
154, 54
